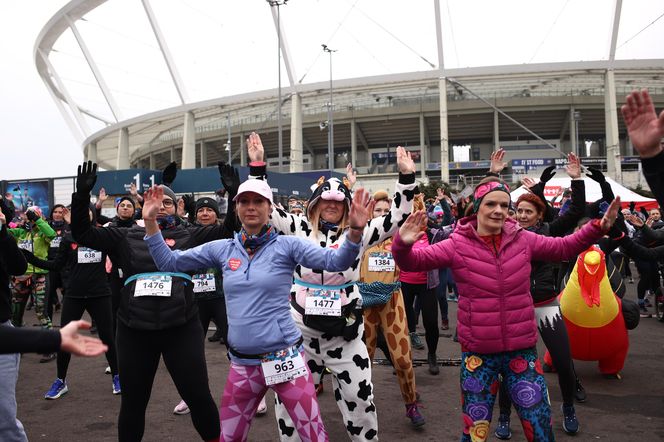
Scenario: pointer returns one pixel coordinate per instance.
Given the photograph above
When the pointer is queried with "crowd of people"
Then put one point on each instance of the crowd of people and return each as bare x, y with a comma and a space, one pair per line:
348, 272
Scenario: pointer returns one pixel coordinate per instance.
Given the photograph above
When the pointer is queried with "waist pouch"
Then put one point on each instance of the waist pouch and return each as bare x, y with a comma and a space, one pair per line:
377, 293
237, 354
158, 312
345, 325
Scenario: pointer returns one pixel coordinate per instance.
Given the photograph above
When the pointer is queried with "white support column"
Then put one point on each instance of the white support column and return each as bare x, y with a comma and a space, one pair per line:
573, 135
189, 142
353, 143
91, 152
75, 130
70, 101
95, 71
243, 151
296, 164
123, 149
172, 153
496, 131
152, 160
204, 159
613, 166
444, 141
170, 63
423, 148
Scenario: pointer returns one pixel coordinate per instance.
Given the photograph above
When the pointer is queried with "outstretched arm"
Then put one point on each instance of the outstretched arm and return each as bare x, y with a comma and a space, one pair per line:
428, 258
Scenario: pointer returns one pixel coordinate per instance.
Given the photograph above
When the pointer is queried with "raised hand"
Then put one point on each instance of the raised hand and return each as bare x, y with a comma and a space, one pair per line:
152, 202
611, 214
169, 174
86, 177
528, 182
32, 215
573, 166
66, 215
351, 175
103, 196
645, 128
547, 174
497, 163
361, 210
405, 161
595, 175
635, 221
414, 227
230, 179
77, 344
255, 147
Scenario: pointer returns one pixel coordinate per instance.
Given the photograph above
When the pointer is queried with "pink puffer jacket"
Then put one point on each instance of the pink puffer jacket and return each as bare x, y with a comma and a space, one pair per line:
495, 311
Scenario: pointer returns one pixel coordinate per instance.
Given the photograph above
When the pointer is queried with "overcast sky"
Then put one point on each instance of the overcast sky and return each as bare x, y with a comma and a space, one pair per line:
225, 48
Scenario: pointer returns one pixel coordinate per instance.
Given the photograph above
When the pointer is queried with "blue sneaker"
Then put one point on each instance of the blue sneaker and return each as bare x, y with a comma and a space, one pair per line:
58, 389
503, 430
116, 384
570, 422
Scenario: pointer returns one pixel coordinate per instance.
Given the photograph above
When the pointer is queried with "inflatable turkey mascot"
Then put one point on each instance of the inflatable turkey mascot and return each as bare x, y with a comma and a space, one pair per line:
593, 315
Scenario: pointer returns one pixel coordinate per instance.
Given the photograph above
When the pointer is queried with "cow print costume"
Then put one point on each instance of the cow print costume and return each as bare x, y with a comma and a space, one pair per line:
347, 360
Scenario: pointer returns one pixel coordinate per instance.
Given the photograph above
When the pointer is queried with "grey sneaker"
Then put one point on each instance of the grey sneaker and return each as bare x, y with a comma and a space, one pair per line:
416, 342
503, 430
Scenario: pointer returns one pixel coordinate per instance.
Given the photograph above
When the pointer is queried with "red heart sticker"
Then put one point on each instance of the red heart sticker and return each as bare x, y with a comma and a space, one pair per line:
234, 263
74, 246
334, 246
170, 242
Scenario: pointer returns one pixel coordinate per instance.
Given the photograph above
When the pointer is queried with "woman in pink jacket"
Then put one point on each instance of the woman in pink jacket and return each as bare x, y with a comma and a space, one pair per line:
490, 255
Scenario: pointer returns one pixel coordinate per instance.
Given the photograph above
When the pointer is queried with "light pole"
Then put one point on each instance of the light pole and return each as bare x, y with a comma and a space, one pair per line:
577, 118
330, 118
278, 3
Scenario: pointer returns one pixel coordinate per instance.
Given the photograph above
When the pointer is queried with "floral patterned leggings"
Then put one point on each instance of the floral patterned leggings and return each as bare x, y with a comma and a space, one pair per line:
521, 372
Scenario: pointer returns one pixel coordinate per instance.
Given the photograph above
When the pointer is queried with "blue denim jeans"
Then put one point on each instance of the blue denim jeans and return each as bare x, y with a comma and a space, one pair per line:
11, 429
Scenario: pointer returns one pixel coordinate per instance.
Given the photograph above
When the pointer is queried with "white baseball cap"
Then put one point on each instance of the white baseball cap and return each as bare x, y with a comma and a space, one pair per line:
256, 186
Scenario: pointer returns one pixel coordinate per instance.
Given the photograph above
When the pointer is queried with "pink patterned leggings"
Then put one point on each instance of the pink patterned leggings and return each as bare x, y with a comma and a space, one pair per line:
245, 387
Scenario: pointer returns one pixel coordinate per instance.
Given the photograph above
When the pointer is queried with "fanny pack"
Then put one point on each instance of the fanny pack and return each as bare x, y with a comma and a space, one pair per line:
377, 293
237, 354
346, 325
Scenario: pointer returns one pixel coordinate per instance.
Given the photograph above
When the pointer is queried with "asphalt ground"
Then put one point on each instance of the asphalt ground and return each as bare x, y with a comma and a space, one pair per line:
631, 409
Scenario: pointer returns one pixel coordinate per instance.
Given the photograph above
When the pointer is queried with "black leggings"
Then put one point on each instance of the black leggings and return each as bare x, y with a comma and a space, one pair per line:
184, 355
53, 282
429, 304
100, 311
649, 277
213, 309
552, 329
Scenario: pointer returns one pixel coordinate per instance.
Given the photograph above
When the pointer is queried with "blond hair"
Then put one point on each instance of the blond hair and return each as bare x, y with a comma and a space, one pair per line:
313, 213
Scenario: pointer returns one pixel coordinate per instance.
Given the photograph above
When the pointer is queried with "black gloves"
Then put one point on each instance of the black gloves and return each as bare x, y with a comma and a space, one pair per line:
190, 206
230, 179
86, 178
632, 205
169, 174
32, 216
547, 174
595, 175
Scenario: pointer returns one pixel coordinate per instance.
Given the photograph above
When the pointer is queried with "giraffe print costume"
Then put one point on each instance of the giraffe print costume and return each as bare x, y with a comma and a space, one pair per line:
348, 360
391, 318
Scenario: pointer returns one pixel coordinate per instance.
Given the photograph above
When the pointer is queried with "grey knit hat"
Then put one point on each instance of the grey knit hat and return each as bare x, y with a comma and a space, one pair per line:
169, 193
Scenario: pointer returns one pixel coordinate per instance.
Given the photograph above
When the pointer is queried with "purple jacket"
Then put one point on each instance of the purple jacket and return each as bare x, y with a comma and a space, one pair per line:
495, 311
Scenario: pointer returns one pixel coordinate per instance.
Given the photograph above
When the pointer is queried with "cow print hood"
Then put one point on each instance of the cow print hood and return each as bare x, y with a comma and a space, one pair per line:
330, 190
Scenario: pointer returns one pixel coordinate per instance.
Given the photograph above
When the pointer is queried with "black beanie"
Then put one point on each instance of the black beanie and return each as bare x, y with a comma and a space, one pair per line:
207, 202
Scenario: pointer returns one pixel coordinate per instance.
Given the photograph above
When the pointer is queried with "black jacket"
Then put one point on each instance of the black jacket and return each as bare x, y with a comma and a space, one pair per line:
131, 254
12, 262
652, 170
22, 340
83, 277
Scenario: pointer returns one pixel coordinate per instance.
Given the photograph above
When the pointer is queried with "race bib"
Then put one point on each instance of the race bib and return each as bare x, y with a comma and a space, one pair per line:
381, 262
283, 366
88, 256
204, 282
25, 244
323, 302
153, 285
55, 242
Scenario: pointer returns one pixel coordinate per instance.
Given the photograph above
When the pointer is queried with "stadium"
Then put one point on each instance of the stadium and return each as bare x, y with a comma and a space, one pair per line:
451, 119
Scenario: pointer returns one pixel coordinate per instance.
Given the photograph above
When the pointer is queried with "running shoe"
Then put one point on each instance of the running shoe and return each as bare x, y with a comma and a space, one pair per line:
48, 357
108, 369
262, 407
580, 392
413, 413
503, 430
432, 359
215, 337
116, 384
58, 389
181, 408
415, 342
570, 422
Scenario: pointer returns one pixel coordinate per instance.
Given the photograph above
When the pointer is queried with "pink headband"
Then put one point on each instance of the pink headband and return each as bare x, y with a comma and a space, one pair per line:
485, 188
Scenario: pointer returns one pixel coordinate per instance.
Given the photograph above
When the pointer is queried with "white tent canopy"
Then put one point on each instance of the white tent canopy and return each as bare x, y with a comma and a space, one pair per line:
593, 192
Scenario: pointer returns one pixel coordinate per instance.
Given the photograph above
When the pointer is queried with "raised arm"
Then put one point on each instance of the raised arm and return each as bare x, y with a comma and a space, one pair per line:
432, 257
10, 255
167, 260
102, 239
311, 255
